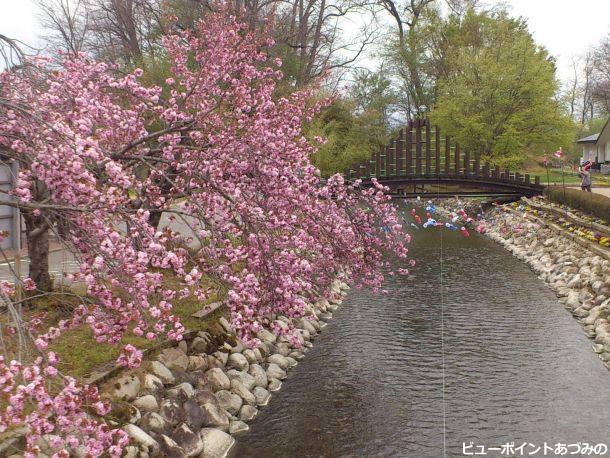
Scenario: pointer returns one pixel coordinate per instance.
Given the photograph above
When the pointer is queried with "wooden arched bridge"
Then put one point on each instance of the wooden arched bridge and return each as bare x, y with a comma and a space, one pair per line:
421, 156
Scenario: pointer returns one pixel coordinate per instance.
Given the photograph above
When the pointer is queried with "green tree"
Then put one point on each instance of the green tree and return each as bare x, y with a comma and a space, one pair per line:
355, 125
497, 94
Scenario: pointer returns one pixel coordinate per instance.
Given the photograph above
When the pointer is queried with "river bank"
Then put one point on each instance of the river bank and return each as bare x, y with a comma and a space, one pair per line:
580, 277
193, 398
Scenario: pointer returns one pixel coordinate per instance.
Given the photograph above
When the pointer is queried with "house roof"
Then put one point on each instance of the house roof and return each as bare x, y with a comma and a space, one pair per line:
590, 139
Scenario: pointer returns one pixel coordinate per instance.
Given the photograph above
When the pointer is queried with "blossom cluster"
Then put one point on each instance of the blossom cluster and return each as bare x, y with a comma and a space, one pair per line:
214, 150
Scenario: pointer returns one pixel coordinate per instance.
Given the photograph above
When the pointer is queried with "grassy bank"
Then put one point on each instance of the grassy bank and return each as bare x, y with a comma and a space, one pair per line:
571, 178
81, 355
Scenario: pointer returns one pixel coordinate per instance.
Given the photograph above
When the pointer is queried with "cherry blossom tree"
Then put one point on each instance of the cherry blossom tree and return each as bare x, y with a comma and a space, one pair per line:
103, 156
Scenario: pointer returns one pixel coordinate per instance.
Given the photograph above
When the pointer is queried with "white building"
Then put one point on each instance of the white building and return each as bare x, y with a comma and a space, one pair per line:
596, 149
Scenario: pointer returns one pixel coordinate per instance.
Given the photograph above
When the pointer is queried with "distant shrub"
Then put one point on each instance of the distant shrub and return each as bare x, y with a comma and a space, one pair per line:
592, 203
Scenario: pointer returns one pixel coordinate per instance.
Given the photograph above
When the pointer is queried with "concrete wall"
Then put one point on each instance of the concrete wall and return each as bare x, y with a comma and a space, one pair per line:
9, 216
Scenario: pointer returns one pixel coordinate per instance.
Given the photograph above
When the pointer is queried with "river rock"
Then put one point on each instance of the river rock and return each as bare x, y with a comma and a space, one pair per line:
258, 354
239, 347
259, 375
296, 355
244, 377
238, 427
171, 411
131, 451
152, 384
306, 324
215, 416
159, 369
231, 402
213, 362
238, 361
279, 360
154, 422
263, 349
225, 324
274, 385
197, 362
174, 358
147, 403
221, 356
134, 414
182, 391
216, 443
580, 312
143, 440
266, 336
261, 395
217, 379
275, 371
190, 442
194, 416
247, 412
200, 345
205, 397
283, 348
127, 387
170, 449
250, 356
239, 388
326, 316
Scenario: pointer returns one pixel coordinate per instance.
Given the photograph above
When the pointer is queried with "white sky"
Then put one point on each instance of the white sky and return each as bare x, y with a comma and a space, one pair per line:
565, 27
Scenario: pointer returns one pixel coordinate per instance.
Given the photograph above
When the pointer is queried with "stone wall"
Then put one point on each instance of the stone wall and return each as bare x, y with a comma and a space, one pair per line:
579, 277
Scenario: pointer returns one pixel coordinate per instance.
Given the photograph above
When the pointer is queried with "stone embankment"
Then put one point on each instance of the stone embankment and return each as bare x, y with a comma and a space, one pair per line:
193, 398
579, 277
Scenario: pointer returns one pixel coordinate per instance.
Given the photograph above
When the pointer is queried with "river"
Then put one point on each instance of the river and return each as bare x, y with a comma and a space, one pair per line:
518, 367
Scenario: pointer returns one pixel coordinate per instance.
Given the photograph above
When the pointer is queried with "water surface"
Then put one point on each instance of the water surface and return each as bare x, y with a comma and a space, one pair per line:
518, 367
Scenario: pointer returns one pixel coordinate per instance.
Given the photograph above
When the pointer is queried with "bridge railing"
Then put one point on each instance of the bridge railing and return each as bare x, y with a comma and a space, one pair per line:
421, 151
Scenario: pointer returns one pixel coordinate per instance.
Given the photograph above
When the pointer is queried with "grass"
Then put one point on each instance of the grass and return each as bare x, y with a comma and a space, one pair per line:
81, 355
571, 178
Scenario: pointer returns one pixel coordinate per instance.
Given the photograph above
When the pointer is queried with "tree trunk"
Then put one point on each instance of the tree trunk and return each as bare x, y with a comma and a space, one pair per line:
37, 233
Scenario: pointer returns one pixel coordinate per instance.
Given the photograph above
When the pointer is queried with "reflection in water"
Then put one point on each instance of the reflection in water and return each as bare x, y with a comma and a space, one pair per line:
518, 366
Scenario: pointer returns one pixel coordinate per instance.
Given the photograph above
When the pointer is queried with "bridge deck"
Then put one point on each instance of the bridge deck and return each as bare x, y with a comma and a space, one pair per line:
420, 155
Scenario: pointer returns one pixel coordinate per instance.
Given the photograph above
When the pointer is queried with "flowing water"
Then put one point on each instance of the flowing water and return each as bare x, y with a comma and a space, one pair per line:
518, 367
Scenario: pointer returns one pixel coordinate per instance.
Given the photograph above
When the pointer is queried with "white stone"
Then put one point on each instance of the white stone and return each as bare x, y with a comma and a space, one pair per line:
274, 385
247, 412
261, 395
275, 371
238, 361
144, 441
183, 391
217, 379
174, 358
279, 360
244, 377
127, 387
259, 375
215, 416
197, 362
239, 389
162, 372
267, 336
238, 427
216, 443
152, 384
191, 442
231, 402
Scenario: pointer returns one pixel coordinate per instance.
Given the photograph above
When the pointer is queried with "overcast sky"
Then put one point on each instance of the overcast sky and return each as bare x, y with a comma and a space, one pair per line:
565, 27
